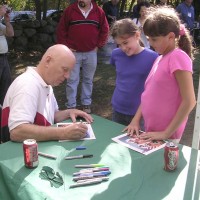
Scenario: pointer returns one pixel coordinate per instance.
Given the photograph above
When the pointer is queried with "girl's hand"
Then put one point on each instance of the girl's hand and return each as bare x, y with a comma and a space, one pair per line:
161, 135
132, 128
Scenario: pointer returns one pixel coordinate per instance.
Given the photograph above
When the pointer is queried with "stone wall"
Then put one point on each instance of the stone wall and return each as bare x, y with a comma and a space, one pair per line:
33, 35
39, 35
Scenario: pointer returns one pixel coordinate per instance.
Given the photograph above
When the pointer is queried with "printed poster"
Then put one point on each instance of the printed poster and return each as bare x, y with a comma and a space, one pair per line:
140, 145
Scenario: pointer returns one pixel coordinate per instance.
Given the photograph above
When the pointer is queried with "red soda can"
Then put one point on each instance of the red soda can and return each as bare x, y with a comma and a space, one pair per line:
171, 155
30, 148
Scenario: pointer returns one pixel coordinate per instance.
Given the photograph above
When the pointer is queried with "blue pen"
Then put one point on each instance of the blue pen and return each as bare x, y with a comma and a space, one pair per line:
92, 175
91, 170
99, 173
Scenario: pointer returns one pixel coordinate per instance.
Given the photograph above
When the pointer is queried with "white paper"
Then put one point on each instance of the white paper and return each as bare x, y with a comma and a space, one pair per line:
89, 135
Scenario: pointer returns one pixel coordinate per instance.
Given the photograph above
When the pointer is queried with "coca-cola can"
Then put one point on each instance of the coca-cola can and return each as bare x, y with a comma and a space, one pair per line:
171, 155
30, 149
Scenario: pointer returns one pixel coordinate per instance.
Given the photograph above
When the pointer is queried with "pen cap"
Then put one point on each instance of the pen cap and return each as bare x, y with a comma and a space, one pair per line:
80, 148
88, 156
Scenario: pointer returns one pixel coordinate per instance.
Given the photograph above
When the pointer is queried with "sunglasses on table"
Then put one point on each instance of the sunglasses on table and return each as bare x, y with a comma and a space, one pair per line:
55, 179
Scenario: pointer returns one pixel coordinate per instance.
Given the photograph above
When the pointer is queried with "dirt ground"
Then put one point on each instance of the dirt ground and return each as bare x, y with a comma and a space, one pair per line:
104, 83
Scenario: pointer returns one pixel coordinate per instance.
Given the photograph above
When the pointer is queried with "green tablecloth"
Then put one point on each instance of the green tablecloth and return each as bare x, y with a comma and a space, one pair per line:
134, 176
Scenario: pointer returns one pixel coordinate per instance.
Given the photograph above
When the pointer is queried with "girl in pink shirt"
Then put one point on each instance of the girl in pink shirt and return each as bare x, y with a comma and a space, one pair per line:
169, 96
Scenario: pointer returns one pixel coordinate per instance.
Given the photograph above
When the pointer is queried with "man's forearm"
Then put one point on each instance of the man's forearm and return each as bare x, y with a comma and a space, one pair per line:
61, 116
31, 131
9, 30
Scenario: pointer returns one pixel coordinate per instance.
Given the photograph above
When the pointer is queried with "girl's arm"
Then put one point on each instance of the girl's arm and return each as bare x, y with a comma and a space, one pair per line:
185, 83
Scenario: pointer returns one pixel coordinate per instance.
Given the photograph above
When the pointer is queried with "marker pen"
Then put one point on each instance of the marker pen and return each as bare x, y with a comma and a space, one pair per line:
89, 166
90, 170
100, 173
92, 175
89, 180
85, 183
47, 155
77, 157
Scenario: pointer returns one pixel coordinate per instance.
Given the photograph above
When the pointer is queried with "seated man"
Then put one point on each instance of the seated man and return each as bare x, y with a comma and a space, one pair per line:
30, 107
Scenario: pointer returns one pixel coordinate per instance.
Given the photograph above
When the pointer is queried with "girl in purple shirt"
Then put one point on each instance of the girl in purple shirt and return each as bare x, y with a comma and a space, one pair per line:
168, 97
133, 63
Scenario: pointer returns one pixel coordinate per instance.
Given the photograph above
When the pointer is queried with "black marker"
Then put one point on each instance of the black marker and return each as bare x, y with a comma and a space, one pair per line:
77, 157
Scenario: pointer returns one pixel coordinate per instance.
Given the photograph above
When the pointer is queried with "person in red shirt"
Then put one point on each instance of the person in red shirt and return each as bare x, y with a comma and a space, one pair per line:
83, 28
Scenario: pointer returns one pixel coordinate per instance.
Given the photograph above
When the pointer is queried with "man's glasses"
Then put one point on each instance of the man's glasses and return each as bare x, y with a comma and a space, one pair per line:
55, 179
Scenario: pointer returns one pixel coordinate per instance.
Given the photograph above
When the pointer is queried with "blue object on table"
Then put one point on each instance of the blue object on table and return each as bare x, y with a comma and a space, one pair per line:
80, 148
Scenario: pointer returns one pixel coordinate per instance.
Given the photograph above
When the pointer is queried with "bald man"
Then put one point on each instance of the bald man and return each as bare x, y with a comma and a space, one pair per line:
30, 107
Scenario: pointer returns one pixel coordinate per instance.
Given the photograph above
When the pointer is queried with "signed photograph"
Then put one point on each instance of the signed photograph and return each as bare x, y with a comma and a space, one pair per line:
140, 145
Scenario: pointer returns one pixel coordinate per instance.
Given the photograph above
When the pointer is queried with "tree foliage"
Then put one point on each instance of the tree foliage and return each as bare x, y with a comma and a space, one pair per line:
44, 5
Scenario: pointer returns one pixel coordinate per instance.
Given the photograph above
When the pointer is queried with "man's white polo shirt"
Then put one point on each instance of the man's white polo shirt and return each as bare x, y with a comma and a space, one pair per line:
30, 100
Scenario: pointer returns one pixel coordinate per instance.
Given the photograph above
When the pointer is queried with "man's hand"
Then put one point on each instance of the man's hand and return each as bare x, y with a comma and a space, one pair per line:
7, 18
74, 113
96, 49
75, 131
2, 10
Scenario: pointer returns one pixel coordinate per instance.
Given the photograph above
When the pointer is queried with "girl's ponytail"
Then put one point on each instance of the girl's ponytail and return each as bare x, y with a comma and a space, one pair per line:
185, 41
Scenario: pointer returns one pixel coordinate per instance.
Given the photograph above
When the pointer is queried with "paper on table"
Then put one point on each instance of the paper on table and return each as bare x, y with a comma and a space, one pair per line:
139, 145
89, 135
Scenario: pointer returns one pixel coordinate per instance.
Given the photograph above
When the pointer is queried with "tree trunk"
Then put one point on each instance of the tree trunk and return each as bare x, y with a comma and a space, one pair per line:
44, 9
131, 7
58, 6
123, 3
38, 9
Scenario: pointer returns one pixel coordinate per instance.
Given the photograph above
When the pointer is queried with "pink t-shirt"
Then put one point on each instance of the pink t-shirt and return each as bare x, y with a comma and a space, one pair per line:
161, 97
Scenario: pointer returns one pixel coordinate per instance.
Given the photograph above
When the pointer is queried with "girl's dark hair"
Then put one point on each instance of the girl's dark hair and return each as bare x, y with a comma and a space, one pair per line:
123, 27
160, 21
143, 3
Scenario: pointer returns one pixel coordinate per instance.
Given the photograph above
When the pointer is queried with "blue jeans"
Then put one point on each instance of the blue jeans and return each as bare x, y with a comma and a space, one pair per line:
88, 62
125, 119
5, 77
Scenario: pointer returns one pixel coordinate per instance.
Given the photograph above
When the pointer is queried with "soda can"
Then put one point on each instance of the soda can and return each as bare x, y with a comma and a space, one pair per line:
171, 155
30, 149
